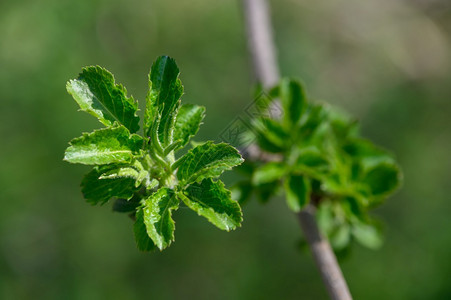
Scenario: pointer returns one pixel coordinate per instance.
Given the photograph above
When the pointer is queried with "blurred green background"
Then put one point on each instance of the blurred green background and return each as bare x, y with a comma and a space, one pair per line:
387, 62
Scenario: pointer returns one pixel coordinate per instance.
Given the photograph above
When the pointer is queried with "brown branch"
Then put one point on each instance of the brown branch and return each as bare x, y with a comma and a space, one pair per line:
266, 71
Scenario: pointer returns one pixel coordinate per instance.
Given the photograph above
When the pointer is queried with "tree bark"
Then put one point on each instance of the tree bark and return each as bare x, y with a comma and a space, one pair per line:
266, 71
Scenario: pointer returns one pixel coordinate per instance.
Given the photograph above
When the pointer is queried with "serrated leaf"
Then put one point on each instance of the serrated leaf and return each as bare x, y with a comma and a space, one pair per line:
99, 191
293, 100
158, 217
188, 121
96, 92
213, 201
143, 241
134, 171
207, 161
270, 172
194, 144
165, 90
120, 173
383, 179
297, 189
104, 146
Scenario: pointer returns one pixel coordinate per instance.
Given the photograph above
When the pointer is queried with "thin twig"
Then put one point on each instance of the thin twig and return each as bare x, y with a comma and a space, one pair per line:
261, 46
266, 71
324, 256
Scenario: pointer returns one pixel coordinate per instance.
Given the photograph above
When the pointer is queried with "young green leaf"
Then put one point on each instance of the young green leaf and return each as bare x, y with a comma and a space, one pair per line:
213, 201
120, 172
315, 115
352, 208
99, 191
127, 206
270, 172
312, 158
341, 237
158, 217
369, 235
312, 162
342, 125
383, 178
188, 122
127, 172
320, 155
104, 146
142, 174
165, 90
270, 135
207, 161
96, 92
297, 192
361, 148
143, 241
293, 100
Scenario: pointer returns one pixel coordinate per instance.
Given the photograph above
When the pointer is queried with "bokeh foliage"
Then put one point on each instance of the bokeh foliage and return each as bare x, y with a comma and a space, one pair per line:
387, 62
319, 157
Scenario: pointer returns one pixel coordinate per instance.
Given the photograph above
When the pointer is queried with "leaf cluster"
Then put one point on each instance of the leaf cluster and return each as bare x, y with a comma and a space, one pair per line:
142, 172
323, 160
